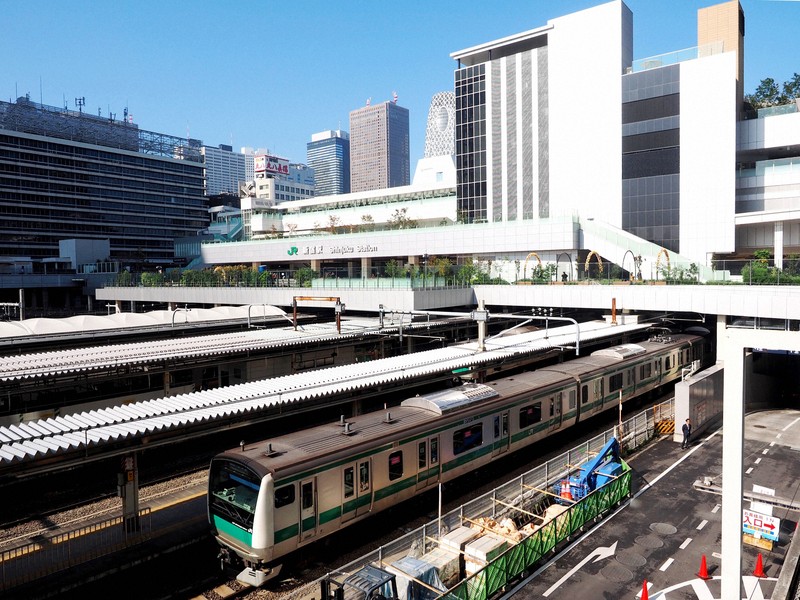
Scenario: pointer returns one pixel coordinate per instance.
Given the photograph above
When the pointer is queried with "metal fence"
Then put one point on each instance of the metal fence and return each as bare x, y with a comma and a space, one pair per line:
55, 552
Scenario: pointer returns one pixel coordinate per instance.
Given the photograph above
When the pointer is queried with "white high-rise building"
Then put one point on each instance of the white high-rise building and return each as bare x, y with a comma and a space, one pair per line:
225, 169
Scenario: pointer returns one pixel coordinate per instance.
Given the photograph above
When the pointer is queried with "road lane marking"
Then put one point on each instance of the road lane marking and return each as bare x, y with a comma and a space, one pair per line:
716, 508
758, 460
685, 543
666, 565
750, 470
703, 523
716, 555
790, 424
595, 555
765, 451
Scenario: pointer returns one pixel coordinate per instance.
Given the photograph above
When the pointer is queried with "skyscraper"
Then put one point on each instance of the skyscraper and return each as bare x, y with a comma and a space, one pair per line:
225, 169
379, 147
328, 153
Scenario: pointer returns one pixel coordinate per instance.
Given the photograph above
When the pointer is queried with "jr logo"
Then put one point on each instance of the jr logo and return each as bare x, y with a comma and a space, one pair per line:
292, 251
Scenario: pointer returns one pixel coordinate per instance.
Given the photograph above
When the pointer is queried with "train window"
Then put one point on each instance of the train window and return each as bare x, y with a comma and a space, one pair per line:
363, 476
584, 394
422, 455
615, 382
572, 400
467, 438
529, 415
434, 452
645, 371
667, 363
631, 373
395, 465
349, 482
307, 495
284, 496
496, 426
552, 407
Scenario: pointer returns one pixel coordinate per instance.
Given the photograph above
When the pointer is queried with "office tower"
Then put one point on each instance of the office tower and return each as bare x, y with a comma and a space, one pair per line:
73, 175
328, 153
379, 147
225, 169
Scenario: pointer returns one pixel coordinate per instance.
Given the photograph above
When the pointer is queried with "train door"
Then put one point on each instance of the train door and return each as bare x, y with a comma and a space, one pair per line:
308, 509
555, 411
364, 486
501, 439
427, 462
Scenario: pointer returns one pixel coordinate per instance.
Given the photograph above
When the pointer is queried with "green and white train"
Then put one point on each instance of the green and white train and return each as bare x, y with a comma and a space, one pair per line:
272, 498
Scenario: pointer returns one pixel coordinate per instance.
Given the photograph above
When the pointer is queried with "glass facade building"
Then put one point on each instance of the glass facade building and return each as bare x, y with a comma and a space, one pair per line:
328, 153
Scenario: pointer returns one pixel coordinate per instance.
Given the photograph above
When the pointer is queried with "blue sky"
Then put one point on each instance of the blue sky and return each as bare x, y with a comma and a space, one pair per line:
269, 74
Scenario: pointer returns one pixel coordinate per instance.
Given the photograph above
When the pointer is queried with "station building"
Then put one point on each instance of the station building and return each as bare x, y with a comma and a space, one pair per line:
662, 165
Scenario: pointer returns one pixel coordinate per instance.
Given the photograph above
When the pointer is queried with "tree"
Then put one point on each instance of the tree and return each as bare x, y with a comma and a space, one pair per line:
367, 223
333, 223
400, 220
768, 93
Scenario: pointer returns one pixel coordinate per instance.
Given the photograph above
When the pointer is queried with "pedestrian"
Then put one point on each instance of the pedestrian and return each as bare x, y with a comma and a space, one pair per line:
687, 430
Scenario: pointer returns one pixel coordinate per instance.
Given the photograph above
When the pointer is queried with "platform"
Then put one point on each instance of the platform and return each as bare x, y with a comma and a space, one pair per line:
668, 535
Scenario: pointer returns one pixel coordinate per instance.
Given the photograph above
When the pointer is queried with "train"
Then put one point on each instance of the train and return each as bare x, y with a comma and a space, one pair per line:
269, 499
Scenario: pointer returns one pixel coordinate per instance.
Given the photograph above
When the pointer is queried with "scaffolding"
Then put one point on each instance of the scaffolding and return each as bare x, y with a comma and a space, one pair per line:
26, 116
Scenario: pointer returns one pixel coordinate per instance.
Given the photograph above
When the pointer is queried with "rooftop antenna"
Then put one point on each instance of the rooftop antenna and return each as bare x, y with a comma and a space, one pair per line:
80, 103
99, 111
394, 97
369, 100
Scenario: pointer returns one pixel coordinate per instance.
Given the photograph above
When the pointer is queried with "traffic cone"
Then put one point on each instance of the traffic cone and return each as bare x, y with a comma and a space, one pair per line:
759, 572
703, 573
644, 595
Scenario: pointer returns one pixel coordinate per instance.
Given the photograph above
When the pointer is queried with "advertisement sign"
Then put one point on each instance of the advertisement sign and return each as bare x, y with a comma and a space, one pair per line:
271, 164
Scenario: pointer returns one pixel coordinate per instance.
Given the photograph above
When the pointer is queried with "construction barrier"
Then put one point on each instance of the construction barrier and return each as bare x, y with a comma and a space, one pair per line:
665, 427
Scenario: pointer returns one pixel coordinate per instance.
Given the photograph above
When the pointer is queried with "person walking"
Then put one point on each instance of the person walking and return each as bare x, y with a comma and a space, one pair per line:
687, 430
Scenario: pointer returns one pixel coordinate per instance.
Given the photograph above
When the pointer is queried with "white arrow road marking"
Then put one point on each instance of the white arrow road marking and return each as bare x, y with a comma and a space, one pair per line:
596, 554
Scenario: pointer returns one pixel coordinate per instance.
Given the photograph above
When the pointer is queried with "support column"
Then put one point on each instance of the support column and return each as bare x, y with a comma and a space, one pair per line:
731, 350
21, 304
118, 304
778, 240
366, 267
350, 268
316, 265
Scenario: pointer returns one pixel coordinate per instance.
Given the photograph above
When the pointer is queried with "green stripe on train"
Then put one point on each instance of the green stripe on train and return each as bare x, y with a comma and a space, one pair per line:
233, 531
286, 533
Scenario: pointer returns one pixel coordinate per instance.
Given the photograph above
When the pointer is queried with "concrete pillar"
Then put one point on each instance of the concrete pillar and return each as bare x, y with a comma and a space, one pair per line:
21, 304
351, 265
366, 267
731, 350
118, 305
778, 241
170, 306
316, 265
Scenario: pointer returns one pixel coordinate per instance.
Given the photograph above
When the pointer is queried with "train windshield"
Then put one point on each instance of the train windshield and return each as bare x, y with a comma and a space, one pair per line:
233, 491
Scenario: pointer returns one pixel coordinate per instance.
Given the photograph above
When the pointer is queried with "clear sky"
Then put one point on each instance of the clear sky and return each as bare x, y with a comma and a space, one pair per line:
268, 74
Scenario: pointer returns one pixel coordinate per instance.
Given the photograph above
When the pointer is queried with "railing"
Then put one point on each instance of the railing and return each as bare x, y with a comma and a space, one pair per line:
56, 552
725, 272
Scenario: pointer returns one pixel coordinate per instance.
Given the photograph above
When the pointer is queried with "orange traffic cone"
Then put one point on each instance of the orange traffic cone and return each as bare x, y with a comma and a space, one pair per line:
645, 595
759, 572
703, 573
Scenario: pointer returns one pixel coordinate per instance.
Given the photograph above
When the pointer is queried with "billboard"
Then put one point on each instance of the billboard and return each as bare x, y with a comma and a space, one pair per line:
271, 164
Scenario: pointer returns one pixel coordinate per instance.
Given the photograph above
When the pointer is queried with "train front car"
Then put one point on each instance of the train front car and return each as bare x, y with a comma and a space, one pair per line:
240, 499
